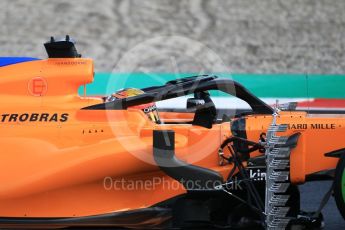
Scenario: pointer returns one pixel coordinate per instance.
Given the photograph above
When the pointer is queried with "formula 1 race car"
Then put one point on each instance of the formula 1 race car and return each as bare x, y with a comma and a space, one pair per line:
73, 161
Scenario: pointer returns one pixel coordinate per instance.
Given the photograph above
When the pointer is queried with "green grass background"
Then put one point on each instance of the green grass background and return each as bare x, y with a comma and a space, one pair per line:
262, 85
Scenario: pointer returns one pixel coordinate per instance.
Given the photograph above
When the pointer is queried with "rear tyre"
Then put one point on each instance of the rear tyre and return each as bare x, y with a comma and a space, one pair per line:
339, 186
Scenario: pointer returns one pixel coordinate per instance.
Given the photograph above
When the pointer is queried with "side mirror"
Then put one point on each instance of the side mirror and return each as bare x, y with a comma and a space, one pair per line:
291, 106
193, 103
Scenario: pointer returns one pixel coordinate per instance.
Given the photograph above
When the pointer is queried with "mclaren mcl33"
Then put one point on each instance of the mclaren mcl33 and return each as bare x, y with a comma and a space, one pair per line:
72, 161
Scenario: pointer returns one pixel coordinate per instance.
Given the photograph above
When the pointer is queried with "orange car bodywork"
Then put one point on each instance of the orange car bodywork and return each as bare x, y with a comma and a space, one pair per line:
69, 162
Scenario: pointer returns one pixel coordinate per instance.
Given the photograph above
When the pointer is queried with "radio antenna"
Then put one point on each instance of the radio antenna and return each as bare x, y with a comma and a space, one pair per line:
307, 85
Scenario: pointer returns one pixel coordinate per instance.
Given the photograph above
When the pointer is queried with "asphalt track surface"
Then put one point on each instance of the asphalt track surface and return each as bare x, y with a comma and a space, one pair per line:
311, 195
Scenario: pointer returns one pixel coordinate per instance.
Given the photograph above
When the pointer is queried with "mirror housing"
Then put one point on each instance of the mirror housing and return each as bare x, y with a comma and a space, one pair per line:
193, 103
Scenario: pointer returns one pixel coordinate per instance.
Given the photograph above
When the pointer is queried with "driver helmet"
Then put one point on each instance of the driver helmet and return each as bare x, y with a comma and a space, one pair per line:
150, 109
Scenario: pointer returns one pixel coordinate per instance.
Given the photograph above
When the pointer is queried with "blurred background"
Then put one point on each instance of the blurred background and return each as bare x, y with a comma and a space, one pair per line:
243, 37
266, 36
